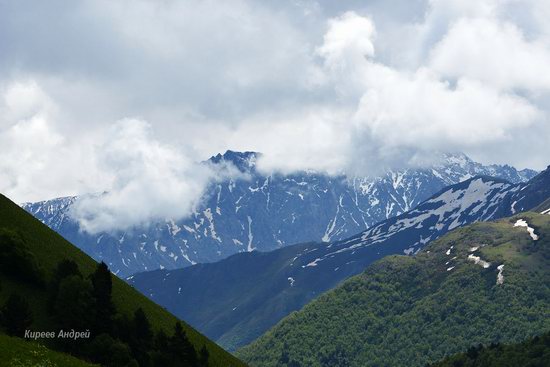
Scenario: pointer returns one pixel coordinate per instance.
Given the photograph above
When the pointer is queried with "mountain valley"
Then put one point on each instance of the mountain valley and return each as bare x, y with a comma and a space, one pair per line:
237, 299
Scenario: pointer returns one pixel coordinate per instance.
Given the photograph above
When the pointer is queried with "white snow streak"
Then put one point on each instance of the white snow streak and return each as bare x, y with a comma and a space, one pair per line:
313, 263
477, 260
208, 214
523, 223
250, 235
174, 228
332, 224
500, 277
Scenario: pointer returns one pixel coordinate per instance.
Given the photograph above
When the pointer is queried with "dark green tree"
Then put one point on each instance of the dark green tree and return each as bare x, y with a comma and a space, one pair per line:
203, 357
123, 328
174, 351
159, 356
284, 358
336, 357
74, 305
102, 284
64, 269
142, 338
142, 329
110, 352
17, 260
181, 349
473, 351
16, 315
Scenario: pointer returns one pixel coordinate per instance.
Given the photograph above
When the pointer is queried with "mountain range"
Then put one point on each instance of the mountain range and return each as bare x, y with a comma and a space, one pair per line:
265, 212
237, 299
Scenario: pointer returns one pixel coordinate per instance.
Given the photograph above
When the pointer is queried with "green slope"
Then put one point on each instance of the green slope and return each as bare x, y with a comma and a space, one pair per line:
49, 249
534, 352
16, 352
412, 311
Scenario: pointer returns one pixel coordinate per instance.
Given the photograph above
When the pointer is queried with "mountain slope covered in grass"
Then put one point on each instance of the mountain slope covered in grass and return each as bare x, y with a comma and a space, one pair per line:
485, 283
39, 250
237, 299
17, 352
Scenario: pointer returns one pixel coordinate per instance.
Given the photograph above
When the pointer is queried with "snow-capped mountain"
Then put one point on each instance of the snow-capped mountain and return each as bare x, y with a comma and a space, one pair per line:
209, 296
265, 212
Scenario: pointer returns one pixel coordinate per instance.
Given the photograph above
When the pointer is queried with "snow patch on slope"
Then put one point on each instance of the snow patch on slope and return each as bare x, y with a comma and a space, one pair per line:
250, 235
478, 261
523, 223
500, 277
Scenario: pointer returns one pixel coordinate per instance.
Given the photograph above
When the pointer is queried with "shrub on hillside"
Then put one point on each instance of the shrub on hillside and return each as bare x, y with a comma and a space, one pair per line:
16, 260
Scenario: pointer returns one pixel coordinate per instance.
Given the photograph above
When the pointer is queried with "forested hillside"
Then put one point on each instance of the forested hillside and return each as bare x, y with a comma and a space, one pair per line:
485, 283
534, 352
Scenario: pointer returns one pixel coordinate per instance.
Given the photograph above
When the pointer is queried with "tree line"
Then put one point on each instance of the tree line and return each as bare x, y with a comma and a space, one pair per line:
534, 352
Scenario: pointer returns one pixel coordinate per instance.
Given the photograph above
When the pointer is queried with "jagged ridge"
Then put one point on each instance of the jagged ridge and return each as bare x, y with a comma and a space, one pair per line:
265, 213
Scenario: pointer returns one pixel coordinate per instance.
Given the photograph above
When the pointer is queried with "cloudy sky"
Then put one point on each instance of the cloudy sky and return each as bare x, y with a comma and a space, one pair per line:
126, 96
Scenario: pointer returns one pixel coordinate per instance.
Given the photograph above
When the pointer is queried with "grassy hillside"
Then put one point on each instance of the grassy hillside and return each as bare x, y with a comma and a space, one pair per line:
16, 352
533, 352
49, 249
416, 310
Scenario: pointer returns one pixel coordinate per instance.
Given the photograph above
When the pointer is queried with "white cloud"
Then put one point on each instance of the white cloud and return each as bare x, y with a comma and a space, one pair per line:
418, 112
30, 153
23, 101
311, 139
141, 178
149, 180
348, 39
159, 59
330, 86
492, 52
404, 117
